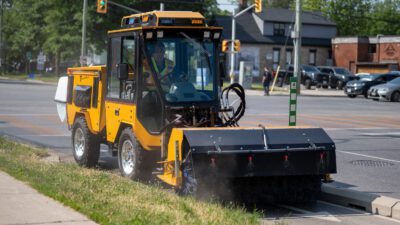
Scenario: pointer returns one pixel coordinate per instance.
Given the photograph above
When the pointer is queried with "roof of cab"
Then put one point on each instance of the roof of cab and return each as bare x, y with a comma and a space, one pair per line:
170, 14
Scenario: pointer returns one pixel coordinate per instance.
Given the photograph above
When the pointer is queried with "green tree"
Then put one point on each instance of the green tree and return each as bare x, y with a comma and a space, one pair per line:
22, 31
54, 26
385, 18
350, 16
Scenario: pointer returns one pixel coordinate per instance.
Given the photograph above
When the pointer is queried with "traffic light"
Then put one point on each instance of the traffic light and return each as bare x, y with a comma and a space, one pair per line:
236, 46
102, 6
258, 4
226, 44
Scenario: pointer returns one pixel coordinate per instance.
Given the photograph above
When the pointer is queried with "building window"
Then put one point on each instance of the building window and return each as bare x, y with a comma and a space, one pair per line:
289, 54
372, 48
279, 29
276, 58
312, 56
329, 54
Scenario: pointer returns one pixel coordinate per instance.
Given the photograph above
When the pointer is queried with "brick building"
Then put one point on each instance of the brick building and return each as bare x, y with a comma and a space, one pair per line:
367, 54
266, 41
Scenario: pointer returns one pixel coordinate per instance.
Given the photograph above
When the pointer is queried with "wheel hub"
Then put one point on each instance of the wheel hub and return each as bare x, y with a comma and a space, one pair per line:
79, 142
128, 157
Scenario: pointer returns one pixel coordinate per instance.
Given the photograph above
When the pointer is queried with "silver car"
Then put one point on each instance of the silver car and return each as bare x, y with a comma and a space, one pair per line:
387, 92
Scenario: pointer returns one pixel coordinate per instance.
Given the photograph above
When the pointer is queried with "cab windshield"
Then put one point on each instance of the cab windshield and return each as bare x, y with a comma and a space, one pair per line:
184, 67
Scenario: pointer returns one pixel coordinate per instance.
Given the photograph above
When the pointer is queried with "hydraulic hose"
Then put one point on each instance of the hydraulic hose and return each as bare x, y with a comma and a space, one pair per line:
237, 113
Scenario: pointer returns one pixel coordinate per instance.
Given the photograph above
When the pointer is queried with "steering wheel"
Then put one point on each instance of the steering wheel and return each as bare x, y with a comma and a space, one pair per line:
183, 77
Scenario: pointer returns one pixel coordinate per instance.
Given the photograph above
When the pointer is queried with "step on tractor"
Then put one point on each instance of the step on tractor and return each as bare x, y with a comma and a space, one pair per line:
160, 107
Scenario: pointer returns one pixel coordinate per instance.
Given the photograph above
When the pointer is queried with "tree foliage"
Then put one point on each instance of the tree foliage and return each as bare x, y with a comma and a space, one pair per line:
55, 26
360, 17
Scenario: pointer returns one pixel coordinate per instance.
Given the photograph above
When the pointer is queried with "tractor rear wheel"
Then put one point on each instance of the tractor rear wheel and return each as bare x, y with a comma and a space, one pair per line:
131, 157
86, 146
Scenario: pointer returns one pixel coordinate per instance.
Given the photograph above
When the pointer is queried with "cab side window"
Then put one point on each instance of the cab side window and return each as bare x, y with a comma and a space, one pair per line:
128, 87
122, 51
115, 58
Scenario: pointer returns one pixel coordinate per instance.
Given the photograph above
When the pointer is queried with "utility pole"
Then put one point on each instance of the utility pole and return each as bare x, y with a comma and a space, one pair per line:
295, 80
1, 39
296, 35
83, 59
233, 36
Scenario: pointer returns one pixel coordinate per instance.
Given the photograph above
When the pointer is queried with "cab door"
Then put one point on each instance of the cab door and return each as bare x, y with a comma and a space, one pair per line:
121, 94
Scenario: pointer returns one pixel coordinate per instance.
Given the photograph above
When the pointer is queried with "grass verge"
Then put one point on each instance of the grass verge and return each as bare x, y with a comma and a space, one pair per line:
110, 199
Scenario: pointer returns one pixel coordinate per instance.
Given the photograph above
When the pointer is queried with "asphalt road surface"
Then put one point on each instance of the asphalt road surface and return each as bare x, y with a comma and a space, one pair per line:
367, 135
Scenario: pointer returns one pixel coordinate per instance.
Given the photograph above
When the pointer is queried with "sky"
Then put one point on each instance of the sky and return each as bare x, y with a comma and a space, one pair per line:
226, 4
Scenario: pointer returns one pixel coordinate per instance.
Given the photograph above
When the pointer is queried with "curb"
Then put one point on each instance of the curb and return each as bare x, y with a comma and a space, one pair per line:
376, 204
254, 93
27, 81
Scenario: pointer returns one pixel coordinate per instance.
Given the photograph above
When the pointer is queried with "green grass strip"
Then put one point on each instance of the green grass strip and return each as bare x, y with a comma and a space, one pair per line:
110, 199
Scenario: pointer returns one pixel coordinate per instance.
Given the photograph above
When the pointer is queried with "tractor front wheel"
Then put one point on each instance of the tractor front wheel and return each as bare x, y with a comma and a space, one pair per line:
131, 158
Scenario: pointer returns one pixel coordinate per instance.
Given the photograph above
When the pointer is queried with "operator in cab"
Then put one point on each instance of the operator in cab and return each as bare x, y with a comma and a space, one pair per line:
162, 66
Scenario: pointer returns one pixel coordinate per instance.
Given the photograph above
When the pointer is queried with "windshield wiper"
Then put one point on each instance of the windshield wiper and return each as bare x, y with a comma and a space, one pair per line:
203, 50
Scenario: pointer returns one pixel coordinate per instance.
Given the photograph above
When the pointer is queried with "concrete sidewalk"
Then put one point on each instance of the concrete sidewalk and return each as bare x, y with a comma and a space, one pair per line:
21, 204
319, 92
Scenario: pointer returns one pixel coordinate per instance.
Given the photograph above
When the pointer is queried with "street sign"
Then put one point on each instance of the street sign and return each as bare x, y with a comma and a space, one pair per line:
41, 59
29, 55
83, 60
293, 102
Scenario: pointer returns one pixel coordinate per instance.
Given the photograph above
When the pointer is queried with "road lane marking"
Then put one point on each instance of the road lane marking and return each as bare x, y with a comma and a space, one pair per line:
361, 128
386, 134
28, 126
308, 214
349, 121
368, 156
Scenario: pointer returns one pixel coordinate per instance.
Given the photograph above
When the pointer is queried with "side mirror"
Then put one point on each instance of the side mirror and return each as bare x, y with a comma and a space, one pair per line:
122, 69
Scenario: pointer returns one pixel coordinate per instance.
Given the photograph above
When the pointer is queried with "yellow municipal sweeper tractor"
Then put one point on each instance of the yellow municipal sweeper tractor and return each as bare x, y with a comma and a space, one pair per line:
160, 107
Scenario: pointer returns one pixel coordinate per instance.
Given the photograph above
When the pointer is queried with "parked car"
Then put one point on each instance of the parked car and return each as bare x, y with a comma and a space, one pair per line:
361, 86
310, 76
338, 77
386, 92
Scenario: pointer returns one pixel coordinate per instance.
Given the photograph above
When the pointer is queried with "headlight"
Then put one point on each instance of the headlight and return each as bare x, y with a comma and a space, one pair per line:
384, 90
360, 84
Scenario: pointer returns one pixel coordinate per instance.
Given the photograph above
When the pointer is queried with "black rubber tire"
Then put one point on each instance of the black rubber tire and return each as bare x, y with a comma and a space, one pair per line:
365, 95
91, 149
307, 84
395, 97
140, 168
333, 86
339, 85
351, 96
325, 87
